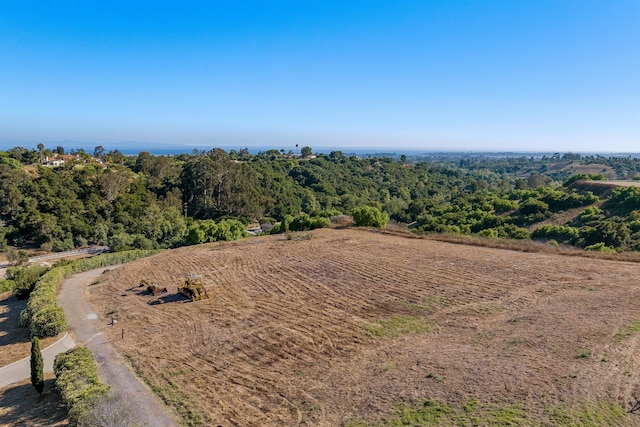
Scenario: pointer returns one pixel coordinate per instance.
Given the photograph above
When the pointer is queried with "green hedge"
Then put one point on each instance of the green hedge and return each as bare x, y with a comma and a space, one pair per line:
42, 315
77, 378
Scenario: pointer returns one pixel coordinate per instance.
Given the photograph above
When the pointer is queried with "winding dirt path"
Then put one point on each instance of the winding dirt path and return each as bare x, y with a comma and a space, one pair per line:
87, 328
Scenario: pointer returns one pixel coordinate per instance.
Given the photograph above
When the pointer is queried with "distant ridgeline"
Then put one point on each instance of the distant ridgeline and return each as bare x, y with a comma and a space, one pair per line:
54, 200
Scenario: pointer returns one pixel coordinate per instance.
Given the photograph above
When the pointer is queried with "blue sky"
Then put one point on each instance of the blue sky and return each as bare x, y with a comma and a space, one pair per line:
518, 75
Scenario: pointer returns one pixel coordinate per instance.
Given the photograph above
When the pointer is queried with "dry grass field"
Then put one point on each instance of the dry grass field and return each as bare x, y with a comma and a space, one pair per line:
353, 327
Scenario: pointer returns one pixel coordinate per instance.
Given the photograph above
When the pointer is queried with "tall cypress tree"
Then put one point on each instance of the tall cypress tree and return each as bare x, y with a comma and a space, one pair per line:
37, 365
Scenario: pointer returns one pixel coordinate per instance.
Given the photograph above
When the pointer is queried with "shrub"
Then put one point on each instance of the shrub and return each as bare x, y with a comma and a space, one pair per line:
49, 321
592, 213
63, 245
301, 222
230, 229
368, 216
583, 177
7, 285
491, 233
600, 247
623, 201
120, 242
109, 410
208, 231
533, 206
305, 222
77, 378
558, 200
195, 236
503, 205
518, 233
17, 257
611, 233
561, 233
25, 279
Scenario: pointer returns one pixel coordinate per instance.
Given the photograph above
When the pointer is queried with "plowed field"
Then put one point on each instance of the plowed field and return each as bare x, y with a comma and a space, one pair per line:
342, 327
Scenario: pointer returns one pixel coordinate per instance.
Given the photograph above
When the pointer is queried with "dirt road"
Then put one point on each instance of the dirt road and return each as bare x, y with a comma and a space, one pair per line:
86, 326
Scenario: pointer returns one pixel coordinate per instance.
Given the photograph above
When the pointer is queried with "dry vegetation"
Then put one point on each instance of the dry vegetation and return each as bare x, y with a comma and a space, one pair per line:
595, 168
341, 326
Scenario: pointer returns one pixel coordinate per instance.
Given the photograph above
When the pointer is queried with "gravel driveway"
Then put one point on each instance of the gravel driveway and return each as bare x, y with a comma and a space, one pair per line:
86, 327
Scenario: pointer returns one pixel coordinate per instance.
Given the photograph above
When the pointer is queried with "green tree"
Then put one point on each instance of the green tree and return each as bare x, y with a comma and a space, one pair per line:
306, 151
37, 365
368, 216
98, 152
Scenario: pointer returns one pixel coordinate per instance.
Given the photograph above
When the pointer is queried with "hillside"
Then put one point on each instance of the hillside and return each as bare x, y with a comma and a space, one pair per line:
338, 327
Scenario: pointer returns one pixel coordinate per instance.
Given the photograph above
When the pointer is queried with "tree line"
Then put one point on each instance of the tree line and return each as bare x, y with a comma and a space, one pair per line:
149, 202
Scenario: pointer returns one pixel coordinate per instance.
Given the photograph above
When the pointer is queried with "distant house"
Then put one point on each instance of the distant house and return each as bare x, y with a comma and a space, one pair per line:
58, 160
54, 162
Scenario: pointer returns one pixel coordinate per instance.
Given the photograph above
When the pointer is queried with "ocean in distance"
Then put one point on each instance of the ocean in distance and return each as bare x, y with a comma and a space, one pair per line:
163, 149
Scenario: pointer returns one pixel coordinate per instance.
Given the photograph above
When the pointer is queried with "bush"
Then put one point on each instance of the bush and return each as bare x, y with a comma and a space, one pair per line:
77, 378
491, 233
558, 200
63, 245
230, 229
120, 242
25, 279
195, 236
533, 206
368, 216
305, 222
623, 201
592, 213
49, 321
561, 233
301, 222
109, 410
7, 285
504, 205
518, 233
583, 177
208, 231
17, 257
600, 247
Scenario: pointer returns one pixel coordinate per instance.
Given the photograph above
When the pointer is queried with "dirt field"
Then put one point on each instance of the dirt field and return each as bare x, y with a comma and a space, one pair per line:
577, 167
621, 183
340, 328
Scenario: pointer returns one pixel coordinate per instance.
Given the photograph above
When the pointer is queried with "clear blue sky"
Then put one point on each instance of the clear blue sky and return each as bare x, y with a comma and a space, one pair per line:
519, 75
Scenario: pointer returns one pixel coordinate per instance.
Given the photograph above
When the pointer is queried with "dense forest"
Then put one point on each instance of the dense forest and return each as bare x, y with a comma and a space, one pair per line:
56, 201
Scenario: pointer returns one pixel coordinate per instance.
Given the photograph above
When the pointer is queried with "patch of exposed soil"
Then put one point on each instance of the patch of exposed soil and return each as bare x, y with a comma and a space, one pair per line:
21, 405
285, 338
